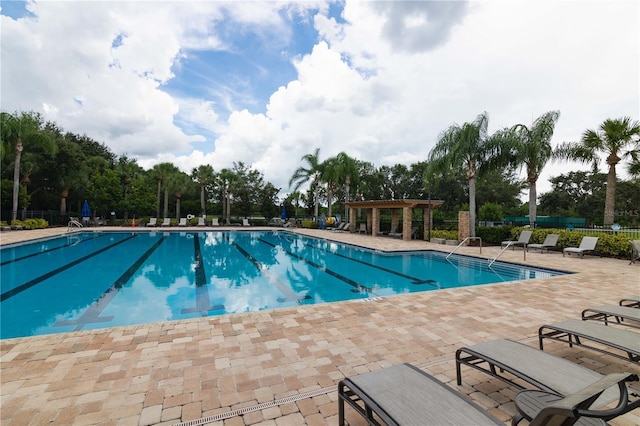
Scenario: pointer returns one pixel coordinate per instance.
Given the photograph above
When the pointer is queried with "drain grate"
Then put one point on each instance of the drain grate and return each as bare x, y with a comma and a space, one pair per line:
241, 411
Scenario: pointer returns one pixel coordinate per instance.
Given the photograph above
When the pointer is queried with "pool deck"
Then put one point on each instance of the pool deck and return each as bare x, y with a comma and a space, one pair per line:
281, 367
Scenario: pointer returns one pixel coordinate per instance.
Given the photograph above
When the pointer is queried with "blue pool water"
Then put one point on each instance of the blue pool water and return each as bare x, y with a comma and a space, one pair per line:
103, 279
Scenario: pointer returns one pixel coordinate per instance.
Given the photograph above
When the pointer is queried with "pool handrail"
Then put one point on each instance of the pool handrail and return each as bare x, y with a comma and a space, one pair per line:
464, 241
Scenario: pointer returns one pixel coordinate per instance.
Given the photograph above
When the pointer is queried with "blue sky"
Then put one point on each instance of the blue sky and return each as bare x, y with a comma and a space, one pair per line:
210, 82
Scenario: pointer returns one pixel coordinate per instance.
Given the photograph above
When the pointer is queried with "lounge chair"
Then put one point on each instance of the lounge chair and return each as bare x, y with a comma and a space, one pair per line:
363, 228
525, 236
201, 221
245, 222
214, 222
404, 395
619, 314
342, 227
549, 242
540, 369
153, 222
183, 221
635, 251
587, 244
545, 408
167, 222
579, 333
631, 302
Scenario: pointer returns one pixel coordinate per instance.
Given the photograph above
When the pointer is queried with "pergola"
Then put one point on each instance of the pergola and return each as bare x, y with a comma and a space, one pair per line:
373, 213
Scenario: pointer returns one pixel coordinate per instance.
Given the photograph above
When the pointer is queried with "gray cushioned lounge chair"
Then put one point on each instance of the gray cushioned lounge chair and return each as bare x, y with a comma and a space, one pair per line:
505, 359
545, 408
614, 314
580, 333
549, 242
587, 244
635, 251
631, 302
523, 240
405, 395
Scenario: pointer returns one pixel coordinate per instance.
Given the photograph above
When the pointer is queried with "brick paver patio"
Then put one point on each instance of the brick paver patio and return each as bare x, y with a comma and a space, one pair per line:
182, 371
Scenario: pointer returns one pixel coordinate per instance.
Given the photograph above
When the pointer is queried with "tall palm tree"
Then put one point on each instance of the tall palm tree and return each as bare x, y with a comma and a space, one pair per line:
18, 130
179, 183
612, 138
467, 147
162, 173
528, 147
203, 175
227, 182
330, 175
310, 173
347, 173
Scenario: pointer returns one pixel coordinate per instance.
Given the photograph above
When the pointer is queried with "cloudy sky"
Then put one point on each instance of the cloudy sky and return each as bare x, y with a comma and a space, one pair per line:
211, 82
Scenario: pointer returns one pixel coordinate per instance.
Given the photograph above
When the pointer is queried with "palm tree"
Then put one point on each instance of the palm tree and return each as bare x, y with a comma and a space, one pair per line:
347, 171
162, 173
528, 147
18, 130
467, 147
330, 175
612, 138
179, 182
227, 181
311, 173
203, 175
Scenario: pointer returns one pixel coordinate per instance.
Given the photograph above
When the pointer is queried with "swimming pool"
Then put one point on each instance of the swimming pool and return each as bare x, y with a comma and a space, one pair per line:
90, 280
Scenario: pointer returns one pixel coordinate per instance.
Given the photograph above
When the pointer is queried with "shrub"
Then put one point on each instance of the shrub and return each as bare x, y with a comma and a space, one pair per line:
447, 235
309, 224
494, 234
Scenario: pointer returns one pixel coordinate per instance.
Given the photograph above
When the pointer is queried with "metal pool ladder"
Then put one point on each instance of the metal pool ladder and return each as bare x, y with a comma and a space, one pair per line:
464, 241
524, 250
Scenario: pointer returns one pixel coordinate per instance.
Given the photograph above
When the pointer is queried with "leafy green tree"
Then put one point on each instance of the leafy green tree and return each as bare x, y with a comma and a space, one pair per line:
18, 130
529, 147
612, 138
127, 169
575, 194
491, 212
464, 147
268, 201
141, 201
308, 174
103, 193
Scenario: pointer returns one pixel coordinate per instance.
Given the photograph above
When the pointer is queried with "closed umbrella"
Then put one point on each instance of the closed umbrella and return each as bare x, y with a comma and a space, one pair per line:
283, 214
86, 211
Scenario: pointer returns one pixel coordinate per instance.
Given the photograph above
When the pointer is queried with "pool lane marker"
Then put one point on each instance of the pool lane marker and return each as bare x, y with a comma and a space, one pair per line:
92, 313
356, 286
19, 289
203, 303
68, 244
284, 288
414, 280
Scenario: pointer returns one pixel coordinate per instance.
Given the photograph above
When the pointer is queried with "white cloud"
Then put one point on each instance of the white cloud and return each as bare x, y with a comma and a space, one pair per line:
380, 87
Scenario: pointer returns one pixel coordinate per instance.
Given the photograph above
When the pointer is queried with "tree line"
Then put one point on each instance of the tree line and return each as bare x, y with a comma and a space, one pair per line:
45, 168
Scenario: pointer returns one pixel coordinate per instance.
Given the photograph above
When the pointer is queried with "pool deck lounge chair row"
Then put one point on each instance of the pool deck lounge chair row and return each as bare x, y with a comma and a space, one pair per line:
405, 395
567, 393
153, 222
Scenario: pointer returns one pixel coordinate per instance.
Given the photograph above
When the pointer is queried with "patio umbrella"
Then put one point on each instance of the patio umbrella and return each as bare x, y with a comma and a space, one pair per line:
283, 214
86, 211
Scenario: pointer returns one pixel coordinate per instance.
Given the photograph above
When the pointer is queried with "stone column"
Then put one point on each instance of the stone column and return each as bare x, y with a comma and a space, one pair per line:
427, 214
406, 223
463, 225
375, 221
352, 216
